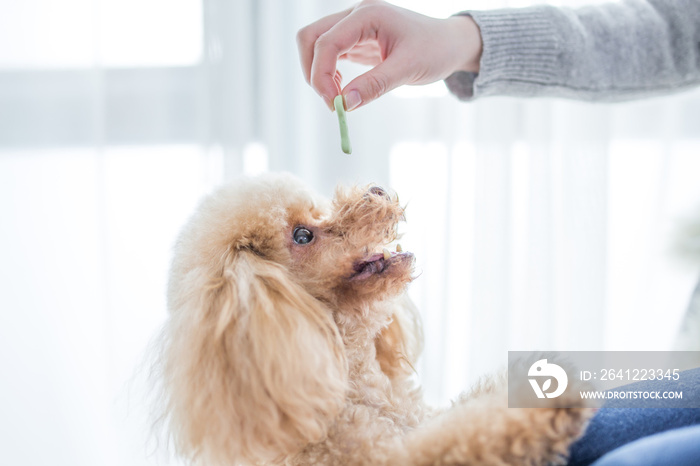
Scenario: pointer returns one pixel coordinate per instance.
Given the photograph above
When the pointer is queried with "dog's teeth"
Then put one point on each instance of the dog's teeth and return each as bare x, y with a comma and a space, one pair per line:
399, 248
387, 254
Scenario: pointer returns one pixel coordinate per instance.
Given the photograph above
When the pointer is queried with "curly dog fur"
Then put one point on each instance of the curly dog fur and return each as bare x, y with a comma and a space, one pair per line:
301, 352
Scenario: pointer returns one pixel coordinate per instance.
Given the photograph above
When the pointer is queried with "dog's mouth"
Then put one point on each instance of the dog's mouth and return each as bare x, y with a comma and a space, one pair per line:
380, 263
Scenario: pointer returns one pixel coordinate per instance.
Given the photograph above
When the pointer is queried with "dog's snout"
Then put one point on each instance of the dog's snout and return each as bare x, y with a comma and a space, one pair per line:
379, 191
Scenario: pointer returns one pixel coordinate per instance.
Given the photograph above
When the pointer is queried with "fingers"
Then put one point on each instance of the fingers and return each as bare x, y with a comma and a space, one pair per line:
370, 34
373, 84
337, 80
365, 54
331, 45
307, 37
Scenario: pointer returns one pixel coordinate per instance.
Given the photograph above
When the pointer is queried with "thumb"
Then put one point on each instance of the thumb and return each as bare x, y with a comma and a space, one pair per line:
375, 83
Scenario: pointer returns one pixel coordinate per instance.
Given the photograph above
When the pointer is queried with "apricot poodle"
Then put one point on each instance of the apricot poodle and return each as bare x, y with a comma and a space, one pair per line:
290, 340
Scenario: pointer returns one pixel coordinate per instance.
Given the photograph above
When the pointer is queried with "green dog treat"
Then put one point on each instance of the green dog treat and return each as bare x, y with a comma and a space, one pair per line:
343, 120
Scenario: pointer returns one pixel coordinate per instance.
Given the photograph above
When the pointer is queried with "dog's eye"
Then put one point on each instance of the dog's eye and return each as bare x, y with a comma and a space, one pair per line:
302, 235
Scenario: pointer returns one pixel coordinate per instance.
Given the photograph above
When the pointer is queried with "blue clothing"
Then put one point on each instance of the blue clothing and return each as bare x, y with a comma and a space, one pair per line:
613, 427
677, 447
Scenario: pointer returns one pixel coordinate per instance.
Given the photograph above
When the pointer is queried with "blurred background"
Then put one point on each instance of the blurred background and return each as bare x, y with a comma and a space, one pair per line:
537, 224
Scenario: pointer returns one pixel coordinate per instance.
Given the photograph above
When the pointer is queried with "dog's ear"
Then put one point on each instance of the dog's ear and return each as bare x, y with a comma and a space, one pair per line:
254, 367
400, 343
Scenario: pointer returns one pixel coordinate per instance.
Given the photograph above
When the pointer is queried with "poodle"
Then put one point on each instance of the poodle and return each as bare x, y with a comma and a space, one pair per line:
290, 340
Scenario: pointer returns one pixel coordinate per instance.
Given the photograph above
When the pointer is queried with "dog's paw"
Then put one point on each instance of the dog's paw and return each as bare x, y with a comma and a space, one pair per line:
548, 393
546, 380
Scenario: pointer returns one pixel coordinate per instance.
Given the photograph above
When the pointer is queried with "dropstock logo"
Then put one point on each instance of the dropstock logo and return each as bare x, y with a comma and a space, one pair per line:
541, 369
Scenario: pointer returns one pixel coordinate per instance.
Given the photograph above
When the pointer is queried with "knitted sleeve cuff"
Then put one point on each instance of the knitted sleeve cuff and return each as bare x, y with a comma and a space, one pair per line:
521, 50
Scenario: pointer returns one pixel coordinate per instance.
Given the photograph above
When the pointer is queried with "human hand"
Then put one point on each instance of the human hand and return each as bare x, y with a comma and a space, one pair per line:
403, 47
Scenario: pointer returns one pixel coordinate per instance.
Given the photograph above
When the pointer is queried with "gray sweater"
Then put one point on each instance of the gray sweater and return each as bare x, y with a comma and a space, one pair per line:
608, 52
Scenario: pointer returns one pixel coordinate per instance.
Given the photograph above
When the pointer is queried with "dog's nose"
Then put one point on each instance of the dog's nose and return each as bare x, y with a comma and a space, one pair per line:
379, 191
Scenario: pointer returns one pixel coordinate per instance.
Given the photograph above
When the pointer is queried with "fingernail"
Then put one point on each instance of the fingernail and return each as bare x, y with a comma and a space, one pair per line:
352, 100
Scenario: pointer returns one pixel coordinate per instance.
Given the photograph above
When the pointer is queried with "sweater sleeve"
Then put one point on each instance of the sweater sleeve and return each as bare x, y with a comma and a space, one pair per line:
608, 52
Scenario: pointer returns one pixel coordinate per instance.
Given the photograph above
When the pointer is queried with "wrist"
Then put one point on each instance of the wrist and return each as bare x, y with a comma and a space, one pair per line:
466, 42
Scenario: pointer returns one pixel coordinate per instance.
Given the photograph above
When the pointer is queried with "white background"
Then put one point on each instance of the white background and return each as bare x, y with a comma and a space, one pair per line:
537, 224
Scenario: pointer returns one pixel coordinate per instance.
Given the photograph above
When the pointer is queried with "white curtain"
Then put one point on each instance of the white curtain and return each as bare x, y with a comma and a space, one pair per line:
537, 224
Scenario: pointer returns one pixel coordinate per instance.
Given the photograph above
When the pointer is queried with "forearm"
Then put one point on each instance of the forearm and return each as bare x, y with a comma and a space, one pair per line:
607, 52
